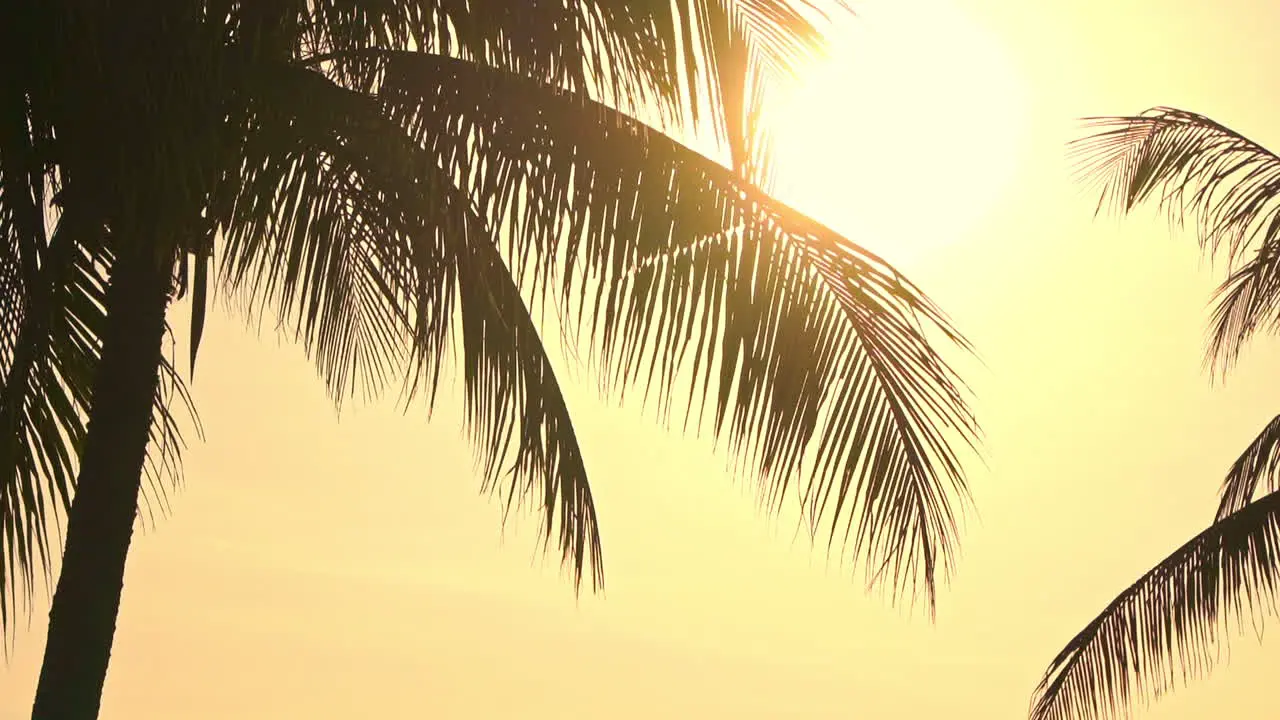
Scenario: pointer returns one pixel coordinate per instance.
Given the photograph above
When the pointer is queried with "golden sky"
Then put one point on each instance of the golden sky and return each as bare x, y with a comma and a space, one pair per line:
323, 568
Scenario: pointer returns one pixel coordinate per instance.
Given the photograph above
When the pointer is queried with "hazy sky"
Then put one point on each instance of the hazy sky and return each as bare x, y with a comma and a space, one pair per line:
317, 568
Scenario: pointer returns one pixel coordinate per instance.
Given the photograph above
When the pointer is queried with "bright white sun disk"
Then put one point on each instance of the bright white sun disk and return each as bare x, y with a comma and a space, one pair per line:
907, 135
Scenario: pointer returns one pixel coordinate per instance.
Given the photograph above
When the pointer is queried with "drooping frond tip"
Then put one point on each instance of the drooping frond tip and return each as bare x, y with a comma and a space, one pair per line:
370, 253
1192, 167
1228, 187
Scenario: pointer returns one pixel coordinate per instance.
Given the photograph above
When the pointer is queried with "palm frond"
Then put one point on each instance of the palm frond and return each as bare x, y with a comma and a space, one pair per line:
737, 52
513, 395
1247, 302
1226, 184
301, 236
816, 351
1168, 627
1257, 465
625, 50
640, 57
338, 200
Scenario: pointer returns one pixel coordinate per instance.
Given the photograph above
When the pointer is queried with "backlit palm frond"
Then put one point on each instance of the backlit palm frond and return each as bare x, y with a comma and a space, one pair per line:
302, 231
297, 243
631, 55
336, 198
1193, 167
542, 37
815, 351
515, 399
1168, 627
737, 52
1258, 465
620, 48
1246, 302
1226, 184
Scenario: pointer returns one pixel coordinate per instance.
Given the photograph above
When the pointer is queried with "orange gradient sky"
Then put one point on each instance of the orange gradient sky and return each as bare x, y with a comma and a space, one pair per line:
322, 568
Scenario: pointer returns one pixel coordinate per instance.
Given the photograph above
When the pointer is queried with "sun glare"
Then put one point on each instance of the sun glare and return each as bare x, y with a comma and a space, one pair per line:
908, 133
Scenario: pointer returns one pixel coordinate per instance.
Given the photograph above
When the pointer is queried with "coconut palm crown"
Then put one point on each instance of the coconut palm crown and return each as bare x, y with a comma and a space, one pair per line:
397, 183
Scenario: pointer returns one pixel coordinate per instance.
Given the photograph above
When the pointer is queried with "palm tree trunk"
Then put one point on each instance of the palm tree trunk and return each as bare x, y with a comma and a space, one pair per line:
82, 620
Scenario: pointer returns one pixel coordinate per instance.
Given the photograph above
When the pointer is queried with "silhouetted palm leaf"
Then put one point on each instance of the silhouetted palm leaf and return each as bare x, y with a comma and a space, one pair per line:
372, 254
1226, 184
1167, 627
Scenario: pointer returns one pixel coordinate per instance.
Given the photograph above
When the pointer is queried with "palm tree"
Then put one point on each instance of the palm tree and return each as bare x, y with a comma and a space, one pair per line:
1169, 626
395, 181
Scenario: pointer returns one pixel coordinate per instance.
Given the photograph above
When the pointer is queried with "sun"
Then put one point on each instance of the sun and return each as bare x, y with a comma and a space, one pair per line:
908, 133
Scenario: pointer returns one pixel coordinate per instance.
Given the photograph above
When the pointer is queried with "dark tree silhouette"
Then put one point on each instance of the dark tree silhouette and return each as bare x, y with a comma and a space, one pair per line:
393, 179
1169, 626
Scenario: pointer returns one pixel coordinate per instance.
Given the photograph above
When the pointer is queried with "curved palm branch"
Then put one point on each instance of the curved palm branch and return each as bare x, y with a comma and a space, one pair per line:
1228, 185
1167, 626
371, 254
631, 226
48, 296
512, 386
